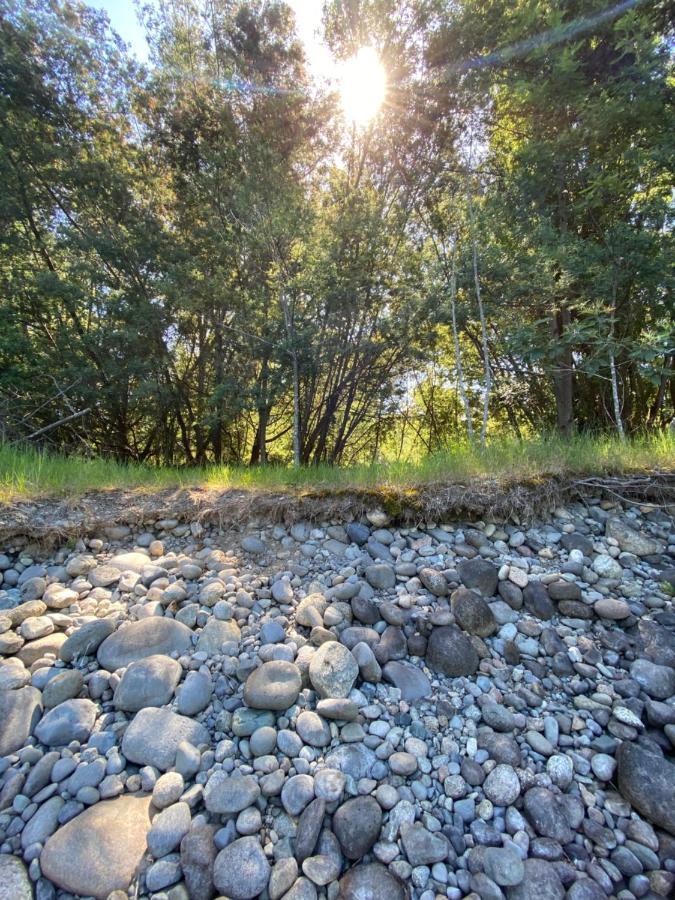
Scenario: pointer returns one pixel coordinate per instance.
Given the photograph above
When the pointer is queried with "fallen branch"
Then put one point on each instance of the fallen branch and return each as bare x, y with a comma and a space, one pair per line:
64, 421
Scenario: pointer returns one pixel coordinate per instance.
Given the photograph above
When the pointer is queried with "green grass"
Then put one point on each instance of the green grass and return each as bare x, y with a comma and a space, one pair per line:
26, 473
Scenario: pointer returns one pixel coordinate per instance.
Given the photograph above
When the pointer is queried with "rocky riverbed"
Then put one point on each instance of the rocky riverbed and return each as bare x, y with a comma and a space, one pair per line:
344, 710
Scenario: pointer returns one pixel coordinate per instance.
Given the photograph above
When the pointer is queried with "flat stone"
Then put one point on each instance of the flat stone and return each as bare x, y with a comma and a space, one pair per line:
43, 824
20, 711
630, 540
194, 694
537, 601
168, 829
35, 650
647, 781
356, 760
153, 737
309, 827
14, 881
547, 815
409, 679
151, 636
274, 685
86, 640
450, 652
657, 681
147, 682
130, 562
423, 847
381, 576
479, 574
100, 850
216, 633
64, 686
333, 670
197, 857
71, 720
435, 582
313, 730
241, 870
504, 866
229, 794
103, 576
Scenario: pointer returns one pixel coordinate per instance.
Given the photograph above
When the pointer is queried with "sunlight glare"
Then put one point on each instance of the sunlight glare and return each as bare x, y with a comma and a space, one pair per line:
362, 86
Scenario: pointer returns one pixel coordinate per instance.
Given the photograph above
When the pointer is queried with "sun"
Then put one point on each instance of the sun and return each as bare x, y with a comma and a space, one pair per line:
363, 84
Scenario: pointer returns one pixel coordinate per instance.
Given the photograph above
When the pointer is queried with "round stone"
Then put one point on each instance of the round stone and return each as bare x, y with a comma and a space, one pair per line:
147, 682
450, 652
333, 670
228, 794
472, 613
62, 687
611, 608
371, 882
402, 763
501, 786
168, 788
356, 825
72, 720
313, 730
296, 793
241, 870
274, 685
503, 865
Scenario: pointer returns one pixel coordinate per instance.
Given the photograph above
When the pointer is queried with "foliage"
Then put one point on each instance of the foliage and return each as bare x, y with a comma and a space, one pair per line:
202, 263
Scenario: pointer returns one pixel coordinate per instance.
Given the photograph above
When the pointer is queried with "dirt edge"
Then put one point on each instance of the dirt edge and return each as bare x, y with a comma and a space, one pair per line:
54, 521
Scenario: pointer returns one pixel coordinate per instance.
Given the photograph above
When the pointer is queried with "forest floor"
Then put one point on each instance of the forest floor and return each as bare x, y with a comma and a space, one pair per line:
45, 496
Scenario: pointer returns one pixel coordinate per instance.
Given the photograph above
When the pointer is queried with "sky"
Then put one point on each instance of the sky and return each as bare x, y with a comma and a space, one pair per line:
123, 18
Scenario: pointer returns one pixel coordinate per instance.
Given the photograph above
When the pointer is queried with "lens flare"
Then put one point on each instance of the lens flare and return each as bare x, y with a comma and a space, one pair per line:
363, 84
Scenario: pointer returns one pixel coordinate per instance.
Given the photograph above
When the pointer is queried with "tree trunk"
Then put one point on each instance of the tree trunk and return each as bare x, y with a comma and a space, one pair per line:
455, 336
563, 376
481, 313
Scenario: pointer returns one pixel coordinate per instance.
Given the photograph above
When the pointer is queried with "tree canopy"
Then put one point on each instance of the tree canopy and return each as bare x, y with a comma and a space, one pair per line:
202, 260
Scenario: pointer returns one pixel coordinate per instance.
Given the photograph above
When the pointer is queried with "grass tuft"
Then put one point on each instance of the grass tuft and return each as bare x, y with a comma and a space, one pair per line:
32, 474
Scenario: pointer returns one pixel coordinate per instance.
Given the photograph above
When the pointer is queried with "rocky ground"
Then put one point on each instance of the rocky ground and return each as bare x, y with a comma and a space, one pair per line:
349, 711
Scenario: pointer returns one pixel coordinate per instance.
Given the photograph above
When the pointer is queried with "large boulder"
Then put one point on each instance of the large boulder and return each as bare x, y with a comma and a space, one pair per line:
20, 712
148, 637
450, 652
647, 781
100, 850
